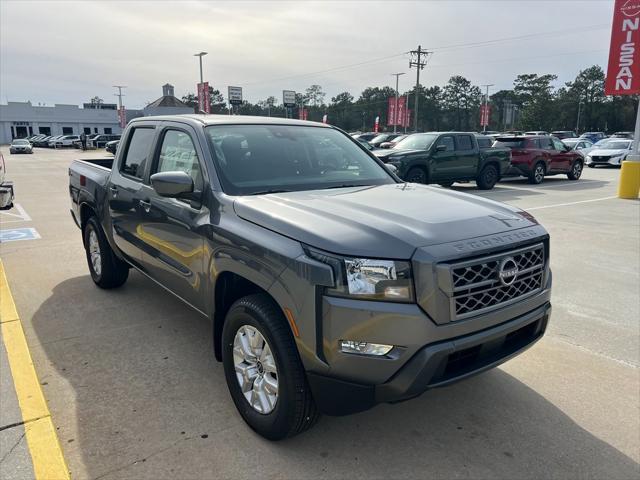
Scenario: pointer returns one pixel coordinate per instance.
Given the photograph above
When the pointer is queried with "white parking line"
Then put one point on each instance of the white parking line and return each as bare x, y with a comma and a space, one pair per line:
19, 216
570, 203
566, 186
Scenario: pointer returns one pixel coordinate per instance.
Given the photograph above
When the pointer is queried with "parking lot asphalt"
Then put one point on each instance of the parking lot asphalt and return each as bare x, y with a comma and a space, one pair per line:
135, 392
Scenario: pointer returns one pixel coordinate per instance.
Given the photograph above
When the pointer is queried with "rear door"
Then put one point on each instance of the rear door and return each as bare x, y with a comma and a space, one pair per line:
467, 157
173, 246
443, 161
125, 189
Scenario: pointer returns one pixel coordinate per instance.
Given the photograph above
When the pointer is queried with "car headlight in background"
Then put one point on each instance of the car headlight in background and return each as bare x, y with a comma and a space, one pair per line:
368, 278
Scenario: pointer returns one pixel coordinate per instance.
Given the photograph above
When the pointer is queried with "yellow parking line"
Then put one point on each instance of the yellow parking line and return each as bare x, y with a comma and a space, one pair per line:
44, 446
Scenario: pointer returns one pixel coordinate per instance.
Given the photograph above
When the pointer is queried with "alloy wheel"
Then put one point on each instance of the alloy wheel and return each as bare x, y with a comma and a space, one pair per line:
94, 252
256, 369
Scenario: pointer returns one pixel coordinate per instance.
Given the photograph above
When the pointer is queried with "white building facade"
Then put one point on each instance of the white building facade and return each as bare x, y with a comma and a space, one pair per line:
21, 119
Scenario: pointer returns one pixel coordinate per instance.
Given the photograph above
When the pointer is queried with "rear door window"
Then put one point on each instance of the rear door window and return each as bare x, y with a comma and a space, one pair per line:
464, 143
138, 151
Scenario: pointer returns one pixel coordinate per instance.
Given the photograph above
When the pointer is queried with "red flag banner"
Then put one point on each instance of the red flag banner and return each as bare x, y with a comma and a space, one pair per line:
376, 125
391, 111
122, 116
207, 97
484, 115
623, 72
393, 117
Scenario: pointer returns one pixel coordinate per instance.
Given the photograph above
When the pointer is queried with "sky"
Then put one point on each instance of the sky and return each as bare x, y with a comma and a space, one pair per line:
69, 51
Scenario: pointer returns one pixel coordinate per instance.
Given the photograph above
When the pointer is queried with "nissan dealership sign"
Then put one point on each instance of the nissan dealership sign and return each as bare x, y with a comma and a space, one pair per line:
623, 73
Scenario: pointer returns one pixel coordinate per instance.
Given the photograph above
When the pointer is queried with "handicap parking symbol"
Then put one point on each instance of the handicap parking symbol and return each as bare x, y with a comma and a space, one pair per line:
17, 234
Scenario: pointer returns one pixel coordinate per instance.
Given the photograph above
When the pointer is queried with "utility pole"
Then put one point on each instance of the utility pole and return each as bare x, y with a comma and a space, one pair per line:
486, 102
119, 94
416, 61
578, 120
395, 123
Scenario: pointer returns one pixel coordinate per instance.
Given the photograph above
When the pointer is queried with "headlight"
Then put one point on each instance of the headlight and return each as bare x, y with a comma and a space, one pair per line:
367, 278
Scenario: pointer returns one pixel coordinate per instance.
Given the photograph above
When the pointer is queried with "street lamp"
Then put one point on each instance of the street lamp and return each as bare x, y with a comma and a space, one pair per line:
395, 123
201, 54
578, 120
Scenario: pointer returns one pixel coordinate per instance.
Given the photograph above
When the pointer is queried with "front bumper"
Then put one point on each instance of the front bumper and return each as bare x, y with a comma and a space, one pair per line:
434, 365
615, 161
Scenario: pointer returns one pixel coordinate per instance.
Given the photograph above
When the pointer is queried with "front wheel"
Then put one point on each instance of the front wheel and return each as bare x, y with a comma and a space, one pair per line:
263, 370
576, 170
488, 178
417, 175
107, 271
537, 175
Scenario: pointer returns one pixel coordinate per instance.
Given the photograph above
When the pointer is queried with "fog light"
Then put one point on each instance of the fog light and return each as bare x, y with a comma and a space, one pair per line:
364, 348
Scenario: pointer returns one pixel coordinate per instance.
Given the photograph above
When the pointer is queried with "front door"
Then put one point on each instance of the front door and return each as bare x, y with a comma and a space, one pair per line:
561, 158
444, 159
125, 191
174, 248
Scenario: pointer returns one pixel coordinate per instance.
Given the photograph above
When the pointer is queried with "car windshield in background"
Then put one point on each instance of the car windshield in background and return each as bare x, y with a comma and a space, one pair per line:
21, 142
570, 143
254, 159
614, 145
417, 141
510, 142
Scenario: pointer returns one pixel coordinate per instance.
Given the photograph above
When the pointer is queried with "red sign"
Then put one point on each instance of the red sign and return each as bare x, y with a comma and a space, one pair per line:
376, 126
303, 113
485, 110
204, 98
393, 117
122, 116
623, 73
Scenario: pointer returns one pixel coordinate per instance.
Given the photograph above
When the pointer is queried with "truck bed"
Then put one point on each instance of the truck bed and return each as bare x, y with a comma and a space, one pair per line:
88, 183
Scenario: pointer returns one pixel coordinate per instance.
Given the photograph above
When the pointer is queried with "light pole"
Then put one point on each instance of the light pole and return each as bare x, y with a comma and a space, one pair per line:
200, 101
395, 123
578, 120
486, 104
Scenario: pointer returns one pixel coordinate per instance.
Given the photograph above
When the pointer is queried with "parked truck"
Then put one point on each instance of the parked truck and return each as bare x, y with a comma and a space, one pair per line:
331, 284
446, 158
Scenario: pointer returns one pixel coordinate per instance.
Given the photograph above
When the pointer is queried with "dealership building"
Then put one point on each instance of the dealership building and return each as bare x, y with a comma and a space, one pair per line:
22, 119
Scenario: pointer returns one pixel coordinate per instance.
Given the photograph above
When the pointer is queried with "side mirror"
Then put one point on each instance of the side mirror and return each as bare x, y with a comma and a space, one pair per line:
172, 184
392, 168
441, 148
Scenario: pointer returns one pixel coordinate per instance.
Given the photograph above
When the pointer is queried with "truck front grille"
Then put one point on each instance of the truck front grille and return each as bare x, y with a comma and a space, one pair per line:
483, 284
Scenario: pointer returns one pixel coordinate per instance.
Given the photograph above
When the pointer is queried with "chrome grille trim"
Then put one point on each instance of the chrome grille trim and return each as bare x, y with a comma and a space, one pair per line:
476, 287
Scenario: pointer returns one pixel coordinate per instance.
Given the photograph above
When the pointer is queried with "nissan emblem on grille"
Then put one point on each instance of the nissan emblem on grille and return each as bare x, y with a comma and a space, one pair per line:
508, 271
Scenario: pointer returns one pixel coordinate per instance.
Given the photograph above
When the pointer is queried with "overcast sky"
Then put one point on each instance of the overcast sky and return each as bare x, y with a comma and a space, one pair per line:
67, 52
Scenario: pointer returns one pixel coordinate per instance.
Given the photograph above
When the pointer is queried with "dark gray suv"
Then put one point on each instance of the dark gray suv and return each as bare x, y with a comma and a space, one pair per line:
331, 284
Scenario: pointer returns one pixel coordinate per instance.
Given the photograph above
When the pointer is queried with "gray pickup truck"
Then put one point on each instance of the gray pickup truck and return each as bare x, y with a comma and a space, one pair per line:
331, 284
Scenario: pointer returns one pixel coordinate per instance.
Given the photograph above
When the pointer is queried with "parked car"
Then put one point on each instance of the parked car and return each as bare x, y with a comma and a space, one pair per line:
20, 145
537, 156
392, 143
42, 142
64, 141
613, 151
581, 145
536, 132
52, 140
445, 158
365, 144
6, 187
100, 141
368, 136
383, 137
331, 285
562, 134
90, 136
112, 146
629, 135
594, 136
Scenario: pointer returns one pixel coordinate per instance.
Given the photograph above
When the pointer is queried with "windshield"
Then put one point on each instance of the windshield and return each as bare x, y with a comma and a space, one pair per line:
21, 142
614, 145
253, 159
418, 141
570, 143
381, 138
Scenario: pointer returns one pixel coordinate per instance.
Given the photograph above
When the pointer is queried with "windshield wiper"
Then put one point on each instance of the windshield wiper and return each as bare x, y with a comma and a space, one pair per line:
346, 185
264, 192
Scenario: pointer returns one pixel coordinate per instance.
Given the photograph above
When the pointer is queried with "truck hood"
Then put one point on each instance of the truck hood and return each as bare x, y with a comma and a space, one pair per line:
386, 221
386, 154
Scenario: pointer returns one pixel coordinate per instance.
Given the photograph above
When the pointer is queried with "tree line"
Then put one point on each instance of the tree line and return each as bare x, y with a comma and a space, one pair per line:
532, 104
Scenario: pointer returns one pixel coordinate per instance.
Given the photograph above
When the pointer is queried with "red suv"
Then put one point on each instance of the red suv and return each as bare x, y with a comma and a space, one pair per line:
535, 156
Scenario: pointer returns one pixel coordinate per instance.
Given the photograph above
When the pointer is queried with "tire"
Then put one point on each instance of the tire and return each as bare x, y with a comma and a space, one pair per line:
488, 178
293, 409
416, 175
576, 170
537, 175
107, 271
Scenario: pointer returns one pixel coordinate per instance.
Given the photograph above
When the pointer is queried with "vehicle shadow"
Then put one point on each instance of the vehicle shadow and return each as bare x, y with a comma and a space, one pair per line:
149, 401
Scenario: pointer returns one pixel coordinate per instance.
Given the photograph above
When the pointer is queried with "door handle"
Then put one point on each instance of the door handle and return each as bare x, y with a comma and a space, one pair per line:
145, 205
114, 190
